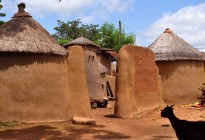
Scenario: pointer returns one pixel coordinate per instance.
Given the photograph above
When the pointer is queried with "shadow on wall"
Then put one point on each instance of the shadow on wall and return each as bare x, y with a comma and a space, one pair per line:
53, 133
8, 60
204, 65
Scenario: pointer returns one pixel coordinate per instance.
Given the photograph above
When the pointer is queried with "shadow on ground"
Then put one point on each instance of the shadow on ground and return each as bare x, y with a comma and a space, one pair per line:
111, 116
161, 137
47, 132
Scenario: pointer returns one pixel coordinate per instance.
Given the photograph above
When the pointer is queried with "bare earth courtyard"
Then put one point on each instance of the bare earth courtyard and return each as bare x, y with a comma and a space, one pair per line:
148, 126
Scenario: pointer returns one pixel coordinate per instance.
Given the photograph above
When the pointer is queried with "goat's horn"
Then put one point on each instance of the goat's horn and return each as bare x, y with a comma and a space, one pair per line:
172, 105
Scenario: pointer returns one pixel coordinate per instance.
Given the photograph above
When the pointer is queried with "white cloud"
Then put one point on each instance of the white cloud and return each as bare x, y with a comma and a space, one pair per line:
76, 8
103, 8
115, 5
188, 23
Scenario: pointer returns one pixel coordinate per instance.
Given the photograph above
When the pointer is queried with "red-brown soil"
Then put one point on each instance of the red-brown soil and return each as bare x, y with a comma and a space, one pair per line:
148, 126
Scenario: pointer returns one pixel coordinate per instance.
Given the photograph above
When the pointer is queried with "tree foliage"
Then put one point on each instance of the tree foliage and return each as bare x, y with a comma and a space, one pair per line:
67, 31
1, 14
106, 36
112, 38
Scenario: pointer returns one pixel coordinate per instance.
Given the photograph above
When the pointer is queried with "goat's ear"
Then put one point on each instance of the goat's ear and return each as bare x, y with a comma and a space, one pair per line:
172, 105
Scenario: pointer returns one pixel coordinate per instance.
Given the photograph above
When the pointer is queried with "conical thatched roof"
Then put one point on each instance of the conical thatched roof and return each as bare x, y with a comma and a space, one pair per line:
170, 47
23, 34
81, 41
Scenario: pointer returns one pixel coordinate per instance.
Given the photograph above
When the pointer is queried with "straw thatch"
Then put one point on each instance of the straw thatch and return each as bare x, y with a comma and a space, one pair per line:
170, 47
102, 68
81, 41
23, 34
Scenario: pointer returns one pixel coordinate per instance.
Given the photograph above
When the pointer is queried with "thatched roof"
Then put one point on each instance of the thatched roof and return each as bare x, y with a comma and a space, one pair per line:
23, 34
81, 41
170, 47
108, 51
102, 68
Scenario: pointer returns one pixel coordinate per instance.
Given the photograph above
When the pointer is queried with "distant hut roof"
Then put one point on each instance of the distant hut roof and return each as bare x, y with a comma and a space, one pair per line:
108, 51
170, 47
81, 41
23, 34
102, 68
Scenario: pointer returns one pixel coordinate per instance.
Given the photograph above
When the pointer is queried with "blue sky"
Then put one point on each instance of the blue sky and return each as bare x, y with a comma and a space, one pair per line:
147, 19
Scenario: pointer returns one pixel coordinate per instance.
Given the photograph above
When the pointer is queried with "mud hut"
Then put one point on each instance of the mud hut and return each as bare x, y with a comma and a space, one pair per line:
108, 82
33, 71
106, 56
180, 66
92, 68
102, 69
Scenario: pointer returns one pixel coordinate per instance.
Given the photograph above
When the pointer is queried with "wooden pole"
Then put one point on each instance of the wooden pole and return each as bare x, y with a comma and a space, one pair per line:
120, 27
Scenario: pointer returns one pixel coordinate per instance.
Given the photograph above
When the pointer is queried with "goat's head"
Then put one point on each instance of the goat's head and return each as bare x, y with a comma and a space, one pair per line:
167, 111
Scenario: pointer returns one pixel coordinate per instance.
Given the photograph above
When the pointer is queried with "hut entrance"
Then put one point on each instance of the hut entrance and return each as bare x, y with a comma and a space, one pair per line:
109, 91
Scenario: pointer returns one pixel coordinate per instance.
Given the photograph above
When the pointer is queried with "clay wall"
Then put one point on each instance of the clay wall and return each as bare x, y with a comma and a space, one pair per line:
94, 81
40, 88
105, 59
34, 88
107, 79
77, 82
181, 80
138, 82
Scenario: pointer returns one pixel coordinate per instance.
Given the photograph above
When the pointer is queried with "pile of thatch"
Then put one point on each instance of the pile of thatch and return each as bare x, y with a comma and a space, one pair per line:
170, 47
23, 34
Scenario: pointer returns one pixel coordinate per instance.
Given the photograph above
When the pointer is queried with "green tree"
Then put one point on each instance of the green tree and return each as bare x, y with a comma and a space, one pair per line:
67, 31
1, 14
106, 36
91, 32
112, 38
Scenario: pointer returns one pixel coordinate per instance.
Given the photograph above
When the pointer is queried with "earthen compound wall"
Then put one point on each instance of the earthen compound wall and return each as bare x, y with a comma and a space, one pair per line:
138, 82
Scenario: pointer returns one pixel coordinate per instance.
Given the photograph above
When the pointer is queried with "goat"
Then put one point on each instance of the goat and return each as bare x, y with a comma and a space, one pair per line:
185, 130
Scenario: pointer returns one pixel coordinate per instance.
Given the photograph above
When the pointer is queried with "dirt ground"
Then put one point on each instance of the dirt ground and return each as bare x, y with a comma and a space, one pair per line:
147, 126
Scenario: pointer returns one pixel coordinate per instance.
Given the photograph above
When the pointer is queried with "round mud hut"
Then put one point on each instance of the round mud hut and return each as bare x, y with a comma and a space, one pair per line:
106, 56
92, 69
180, 66
33, 84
